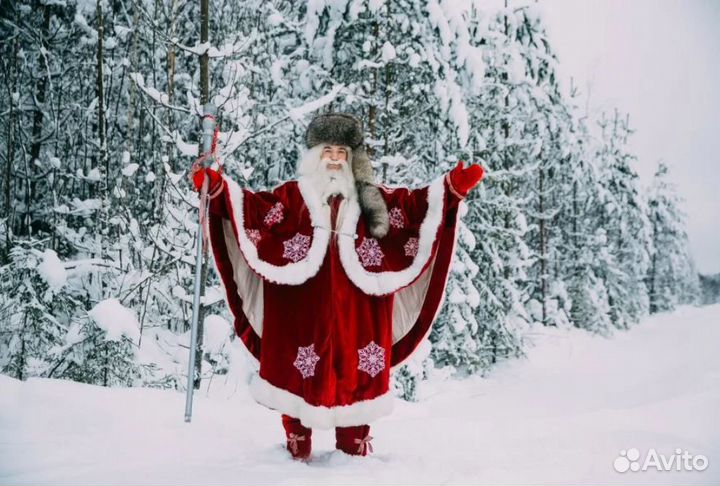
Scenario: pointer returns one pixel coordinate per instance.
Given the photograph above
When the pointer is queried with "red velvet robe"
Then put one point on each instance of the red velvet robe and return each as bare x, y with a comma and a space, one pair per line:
328, 313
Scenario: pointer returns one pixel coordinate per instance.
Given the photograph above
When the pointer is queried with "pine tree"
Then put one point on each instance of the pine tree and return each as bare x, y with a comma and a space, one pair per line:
623, 216
672, 278
545, 130
581, 241
102, 123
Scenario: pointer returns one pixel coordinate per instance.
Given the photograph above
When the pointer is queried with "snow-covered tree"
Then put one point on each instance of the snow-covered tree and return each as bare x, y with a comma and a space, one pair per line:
623, 216
102, 121
672, 278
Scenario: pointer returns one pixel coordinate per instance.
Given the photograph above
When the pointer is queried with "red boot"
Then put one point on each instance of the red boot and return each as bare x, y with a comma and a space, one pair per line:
299, 437
354, 440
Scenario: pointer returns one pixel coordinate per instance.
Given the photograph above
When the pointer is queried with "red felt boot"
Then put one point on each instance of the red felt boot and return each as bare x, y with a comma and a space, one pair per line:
353, 440
299, 437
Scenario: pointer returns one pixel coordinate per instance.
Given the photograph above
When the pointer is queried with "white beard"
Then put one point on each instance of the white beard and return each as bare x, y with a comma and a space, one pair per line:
326, 182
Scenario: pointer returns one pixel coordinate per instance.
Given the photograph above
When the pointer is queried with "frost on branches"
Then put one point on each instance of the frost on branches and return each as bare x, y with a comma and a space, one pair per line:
97, 239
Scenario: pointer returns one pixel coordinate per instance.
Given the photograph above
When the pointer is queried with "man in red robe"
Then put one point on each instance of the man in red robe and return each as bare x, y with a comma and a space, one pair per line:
333, 280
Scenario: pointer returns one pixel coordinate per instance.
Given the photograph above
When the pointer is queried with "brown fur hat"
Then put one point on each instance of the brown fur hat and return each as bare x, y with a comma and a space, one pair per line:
345, 129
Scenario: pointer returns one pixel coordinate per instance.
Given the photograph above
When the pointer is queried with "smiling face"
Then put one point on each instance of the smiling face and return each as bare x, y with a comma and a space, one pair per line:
328, 169
334, 156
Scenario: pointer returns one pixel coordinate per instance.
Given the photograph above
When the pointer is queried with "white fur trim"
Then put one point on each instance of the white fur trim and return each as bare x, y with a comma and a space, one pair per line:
313, 416
372, 283
292, 273
381, 283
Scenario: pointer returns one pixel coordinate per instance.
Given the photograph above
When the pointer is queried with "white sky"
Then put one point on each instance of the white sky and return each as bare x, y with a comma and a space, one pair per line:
658, 61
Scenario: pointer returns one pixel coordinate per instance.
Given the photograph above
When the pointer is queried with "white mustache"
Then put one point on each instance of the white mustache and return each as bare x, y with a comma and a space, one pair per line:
334, 165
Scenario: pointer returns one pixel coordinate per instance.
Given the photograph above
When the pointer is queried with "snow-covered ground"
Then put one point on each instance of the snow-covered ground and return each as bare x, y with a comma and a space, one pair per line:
561, 416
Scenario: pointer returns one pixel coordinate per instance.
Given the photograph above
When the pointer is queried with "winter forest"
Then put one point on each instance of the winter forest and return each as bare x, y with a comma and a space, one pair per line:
101, 122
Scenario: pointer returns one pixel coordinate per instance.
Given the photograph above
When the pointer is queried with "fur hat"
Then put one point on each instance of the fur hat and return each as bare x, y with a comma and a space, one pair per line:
345, 129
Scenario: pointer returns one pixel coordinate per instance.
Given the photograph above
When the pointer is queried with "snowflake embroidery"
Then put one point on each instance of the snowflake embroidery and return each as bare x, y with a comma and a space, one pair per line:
370, 252
296, 248
372, 359
275, 215
253, 235
396, 218
411, 247
306, 360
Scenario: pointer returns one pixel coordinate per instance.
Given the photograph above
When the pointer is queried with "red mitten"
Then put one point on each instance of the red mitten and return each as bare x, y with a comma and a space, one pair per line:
198, 177
464, 179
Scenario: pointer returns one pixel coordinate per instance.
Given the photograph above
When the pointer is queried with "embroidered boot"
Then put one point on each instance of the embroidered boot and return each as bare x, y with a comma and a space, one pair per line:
353, 440
299, 437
